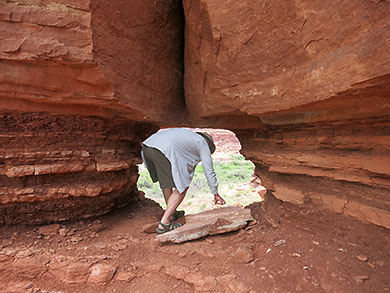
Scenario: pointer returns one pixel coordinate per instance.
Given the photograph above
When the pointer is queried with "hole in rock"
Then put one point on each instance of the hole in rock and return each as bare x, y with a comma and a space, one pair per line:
237, 183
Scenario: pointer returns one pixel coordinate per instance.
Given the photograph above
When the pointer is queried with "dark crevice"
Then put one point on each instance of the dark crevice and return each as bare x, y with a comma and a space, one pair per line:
182, 46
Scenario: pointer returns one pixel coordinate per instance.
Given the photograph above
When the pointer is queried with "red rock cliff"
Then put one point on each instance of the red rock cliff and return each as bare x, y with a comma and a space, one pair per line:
309, 81
80, 84
304, 84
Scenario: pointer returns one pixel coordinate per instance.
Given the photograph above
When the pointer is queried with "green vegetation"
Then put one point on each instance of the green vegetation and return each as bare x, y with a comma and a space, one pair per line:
233, 171
230, 173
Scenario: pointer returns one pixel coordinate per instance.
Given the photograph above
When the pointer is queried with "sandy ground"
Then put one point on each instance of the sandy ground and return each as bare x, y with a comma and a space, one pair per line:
288, 249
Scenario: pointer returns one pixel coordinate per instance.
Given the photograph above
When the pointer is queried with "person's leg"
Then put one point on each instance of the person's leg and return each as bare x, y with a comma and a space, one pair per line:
167, 193
149, 162
163, 171
173, 202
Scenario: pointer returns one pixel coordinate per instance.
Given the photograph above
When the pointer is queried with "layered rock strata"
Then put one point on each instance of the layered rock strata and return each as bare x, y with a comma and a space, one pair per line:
64, 64
60, 167
334, 164
305, 85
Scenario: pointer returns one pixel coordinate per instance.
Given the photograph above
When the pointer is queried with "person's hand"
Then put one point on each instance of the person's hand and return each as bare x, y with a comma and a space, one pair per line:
218, 199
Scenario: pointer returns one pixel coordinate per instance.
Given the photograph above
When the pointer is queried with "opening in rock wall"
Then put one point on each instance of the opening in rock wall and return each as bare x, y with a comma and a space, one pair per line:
237, 183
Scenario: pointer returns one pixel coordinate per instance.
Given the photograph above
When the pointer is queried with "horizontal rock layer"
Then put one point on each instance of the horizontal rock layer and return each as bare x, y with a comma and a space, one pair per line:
343, 165
60, 167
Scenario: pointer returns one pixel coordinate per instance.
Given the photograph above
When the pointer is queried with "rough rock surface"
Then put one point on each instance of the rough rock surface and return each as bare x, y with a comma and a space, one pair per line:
305, 85
62, 63
208, 223
92, 57
59, 167
334, 164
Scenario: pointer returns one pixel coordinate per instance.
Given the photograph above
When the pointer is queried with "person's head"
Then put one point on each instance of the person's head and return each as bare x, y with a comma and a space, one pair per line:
209, 140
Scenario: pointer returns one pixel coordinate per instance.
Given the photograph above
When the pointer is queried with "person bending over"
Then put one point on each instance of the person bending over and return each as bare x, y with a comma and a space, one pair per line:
171, 156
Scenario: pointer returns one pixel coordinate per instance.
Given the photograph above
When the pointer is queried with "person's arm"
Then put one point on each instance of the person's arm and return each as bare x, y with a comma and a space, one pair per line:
207, 164
218, 199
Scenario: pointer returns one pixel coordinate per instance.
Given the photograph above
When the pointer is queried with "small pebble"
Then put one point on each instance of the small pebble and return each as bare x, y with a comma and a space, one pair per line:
210, 241
380, 263
362, 257
360, 279
63, 232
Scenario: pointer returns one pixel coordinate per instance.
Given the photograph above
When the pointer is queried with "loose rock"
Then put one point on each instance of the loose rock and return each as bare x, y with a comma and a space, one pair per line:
76, 239
149, 228
101, 273
63, 232
49, 230
208, 223
230, 284
362, 257
360, 279
201, 282
179, 272
125, 276
243, 254
70, 272
97, 227
380, 263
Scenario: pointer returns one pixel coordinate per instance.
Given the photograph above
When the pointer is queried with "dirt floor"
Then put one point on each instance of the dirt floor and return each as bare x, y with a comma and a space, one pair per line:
289, 249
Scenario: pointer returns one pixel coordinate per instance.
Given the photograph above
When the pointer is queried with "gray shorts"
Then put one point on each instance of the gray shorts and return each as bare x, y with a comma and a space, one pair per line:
159, 167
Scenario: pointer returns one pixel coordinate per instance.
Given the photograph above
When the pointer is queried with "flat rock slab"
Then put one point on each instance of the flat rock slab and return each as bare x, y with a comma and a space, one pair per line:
209, 223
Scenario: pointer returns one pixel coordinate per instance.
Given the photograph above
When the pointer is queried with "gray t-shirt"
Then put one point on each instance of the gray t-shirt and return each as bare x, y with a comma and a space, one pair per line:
184, 149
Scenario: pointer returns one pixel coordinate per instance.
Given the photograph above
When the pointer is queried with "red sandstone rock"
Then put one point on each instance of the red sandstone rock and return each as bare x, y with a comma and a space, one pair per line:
50, 229
29, 268
125, 276
177, 271
243, 254
63, 57
48, 158
310, 83
304, 84
94, 58
208, 223
230, 284
70, 272
101, 273
201, 282
265, 57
